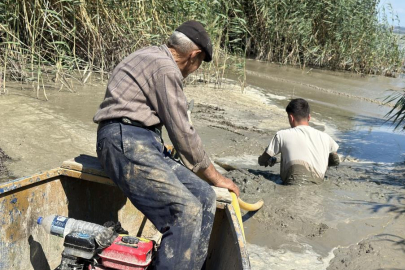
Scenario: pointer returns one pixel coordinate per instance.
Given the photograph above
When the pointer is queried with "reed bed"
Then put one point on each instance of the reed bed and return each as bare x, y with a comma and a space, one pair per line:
70, 40
342, 34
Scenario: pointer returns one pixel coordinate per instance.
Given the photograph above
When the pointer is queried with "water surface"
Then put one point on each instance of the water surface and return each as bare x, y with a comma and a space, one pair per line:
348, 103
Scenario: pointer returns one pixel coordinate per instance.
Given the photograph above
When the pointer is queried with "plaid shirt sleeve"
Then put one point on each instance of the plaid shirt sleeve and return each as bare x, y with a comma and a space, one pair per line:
172, 111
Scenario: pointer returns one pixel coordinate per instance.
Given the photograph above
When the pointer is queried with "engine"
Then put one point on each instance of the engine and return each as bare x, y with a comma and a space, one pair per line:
125, 253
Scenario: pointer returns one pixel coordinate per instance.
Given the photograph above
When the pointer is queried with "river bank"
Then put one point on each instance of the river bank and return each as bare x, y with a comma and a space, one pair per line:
354, 220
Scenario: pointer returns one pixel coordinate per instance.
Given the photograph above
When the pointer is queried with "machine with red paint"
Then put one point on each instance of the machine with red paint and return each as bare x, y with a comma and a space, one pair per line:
125, 253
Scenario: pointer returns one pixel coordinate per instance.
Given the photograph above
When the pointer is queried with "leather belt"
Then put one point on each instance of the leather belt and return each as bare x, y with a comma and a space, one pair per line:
127, 121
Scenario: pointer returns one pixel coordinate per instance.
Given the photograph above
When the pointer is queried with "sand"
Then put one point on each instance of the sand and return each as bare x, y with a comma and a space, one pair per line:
354, 220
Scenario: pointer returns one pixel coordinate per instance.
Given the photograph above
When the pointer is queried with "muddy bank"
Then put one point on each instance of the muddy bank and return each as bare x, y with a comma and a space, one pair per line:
354, 220
348, 222
39, 135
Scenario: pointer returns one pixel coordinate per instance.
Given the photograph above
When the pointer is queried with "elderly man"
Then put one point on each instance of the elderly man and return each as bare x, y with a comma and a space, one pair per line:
145, 92
305, 151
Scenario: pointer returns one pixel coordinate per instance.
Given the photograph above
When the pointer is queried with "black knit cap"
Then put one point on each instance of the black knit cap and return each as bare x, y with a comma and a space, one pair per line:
196, 32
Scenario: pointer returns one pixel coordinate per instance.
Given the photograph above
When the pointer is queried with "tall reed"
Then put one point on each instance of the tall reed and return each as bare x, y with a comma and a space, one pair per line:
67, 40
343, 34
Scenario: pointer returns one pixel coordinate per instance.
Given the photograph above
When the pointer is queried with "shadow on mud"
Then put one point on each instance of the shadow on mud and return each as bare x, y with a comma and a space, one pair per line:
397, 241
4, 173
248, 215
269, 175
367, 121
395, 203
392, 175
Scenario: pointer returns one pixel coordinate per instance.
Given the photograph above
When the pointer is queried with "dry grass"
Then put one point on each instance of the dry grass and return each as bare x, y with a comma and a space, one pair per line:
71, 40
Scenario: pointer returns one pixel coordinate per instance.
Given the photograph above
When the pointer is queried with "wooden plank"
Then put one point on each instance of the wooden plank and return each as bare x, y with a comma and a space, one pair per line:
221, 205
11, 186
88, 177
223, 194
91, 170
85, 164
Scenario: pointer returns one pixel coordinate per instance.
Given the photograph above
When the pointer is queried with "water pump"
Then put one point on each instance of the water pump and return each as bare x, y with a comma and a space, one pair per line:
125, 253
89, 246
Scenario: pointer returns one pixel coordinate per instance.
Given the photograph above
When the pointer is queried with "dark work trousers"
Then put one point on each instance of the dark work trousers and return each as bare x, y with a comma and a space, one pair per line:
174, 199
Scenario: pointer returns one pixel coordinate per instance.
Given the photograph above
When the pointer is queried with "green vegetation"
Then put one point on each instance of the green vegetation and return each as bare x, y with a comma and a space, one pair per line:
397, 114
67, 40
343, 34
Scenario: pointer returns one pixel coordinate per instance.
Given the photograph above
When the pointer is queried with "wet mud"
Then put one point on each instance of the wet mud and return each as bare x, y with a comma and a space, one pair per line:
4, 174
350, 221
353, 220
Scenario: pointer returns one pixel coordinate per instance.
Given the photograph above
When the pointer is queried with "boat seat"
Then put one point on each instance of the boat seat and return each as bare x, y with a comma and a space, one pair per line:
90, 169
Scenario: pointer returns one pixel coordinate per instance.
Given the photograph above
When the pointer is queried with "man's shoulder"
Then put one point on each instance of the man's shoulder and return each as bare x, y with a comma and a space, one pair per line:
310, 129
316, 133
299, 131
286, 131
156, 60
152, 53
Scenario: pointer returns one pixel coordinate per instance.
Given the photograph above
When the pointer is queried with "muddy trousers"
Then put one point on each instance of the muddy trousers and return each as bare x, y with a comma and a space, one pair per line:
175, 200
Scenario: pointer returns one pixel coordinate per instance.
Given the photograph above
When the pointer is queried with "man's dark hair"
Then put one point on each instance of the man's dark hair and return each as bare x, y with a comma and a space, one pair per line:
299, 108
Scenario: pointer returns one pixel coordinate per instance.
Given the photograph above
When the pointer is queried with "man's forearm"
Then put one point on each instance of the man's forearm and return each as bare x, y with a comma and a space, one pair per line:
211, 175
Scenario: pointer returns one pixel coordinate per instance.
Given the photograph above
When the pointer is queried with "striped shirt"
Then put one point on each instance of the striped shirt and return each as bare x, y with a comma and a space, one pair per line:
147, 87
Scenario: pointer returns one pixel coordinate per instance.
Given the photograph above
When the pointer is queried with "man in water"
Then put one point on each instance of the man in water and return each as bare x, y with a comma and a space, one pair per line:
145, 91
306, 152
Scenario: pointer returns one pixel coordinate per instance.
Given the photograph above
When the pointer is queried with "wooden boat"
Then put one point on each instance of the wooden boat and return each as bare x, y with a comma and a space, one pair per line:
80, 189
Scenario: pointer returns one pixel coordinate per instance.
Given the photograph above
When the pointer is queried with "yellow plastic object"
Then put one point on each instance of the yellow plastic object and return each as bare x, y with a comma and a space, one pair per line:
235, 205
250, 206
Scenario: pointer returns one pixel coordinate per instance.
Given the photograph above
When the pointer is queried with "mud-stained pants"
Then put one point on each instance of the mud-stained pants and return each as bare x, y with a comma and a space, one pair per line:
174, 199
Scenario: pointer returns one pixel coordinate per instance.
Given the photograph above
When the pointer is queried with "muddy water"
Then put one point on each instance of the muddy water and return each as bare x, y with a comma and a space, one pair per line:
350, 104
333, 226
39, 135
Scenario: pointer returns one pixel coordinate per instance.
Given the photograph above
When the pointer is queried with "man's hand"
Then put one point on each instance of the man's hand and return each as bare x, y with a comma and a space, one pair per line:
333, 160
266, 160
262, 160
272, 161
211, 175
225, 182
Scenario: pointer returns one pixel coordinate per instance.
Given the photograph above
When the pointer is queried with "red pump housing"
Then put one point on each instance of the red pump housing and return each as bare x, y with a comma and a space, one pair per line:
127, 253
